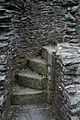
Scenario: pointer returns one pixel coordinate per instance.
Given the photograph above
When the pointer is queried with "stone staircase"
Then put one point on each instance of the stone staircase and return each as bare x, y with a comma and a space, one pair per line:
31, 84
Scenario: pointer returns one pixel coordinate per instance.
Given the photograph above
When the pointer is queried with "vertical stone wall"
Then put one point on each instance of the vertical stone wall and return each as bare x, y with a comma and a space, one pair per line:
5, 55
66, 69
71, 24
66, 66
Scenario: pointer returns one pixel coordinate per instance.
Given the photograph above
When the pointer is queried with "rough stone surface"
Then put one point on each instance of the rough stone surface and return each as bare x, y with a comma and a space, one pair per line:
22, 96
37, 23
66, 81
35, 112
38, 65
32, 79
5, 54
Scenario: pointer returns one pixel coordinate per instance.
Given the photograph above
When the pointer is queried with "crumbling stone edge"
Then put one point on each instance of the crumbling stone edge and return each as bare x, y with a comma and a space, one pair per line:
66, 81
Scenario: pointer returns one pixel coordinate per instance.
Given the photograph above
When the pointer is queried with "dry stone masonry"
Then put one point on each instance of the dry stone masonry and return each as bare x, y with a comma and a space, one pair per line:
71, 9
5, 48
41, 25
67, 81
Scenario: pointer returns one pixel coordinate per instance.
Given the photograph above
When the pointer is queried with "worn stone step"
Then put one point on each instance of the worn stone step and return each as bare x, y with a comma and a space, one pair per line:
6, 18
27, 78
39, 65
46, 50
23, 96
30, 112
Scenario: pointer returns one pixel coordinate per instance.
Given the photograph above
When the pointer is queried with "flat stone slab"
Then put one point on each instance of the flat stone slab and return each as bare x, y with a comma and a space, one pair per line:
31, 112
39, 65
28, 78
27, 96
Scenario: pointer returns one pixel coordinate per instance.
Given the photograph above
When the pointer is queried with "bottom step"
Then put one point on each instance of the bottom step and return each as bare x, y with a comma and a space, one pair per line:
23, 96
31, 112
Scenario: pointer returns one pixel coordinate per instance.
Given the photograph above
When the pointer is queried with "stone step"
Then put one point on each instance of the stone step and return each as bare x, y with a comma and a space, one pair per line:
27, 78
39, 65
30, 112
5, 18
46, 50
26, 96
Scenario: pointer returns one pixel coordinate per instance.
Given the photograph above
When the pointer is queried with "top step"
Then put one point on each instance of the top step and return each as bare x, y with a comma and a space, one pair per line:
47, 50
39, 65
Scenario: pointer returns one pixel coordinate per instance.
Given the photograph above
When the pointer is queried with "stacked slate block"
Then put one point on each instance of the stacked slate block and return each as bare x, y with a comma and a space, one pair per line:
67, 82
66, 68
5, 51
71, 8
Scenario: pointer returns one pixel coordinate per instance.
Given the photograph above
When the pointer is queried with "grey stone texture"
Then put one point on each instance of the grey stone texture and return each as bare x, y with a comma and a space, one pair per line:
31, 112
66, 82
5, 54
37, 23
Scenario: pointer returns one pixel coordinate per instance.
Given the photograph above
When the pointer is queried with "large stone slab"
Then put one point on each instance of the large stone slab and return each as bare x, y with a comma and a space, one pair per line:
23, 96
39, 65
28, 78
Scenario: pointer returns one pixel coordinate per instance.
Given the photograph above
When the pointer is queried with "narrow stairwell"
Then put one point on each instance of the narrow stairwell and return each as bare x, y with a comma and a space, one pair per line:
30, 90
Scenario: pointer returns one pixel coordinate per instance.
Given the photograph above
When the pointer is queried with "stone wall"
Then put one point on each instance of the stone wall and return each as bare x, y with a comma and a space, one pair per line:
5, 56
66, 82
37, 23
41, 22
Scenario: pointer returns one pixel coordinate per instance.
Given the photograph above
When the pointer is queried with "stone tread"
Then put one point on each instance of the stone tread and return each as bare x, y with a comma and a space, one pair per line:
18, 90
38, 60
46, 50
27, 96
39, 65
30, 74
28, 78
30, 112
49, 48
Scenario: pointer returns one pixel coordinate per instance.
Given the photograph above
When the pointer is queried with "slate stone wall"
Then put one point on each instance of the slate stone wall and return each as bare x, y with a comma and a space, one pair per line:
5, 56
37, 23
66, 81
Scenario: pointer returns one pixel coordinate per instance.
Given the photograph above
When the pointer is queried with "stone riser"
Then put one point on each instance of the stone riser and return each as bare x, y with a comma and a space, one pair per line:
34, 83
39, 66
